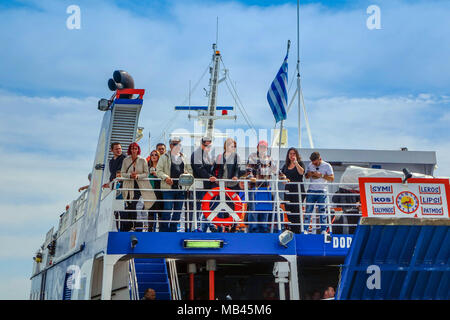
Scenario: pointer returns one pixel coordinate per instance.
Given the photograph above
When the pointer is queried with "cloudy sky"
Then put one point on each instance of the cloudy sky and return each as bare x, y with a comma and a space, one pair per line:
364, 89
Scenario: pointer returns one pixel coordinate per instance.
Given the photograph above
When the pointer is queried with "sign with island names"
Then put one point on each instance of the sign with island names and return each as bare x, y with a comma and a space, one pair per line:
418, 198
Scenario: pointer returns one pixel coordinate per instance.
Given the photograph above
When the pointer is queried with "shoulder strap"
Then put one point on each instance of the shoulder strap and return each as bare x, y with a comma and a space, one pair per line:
131, 165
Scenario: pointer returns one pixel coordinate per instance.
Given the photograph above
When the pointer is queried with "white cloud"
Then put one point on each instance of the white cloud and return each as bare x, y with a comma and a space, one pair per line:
47, 124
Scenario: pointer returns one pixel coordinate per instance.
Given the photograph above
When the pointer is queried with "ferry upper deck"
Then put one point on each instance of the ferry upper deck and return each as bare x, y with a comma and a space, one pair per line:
113, 264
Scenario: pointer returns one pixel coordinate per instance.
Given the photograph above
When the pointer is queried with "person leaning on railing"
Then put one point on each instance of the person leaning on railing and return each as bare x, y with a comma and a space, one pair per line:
202, 168
320, 173
115, 165
86, 186
136, 184
293, 170
156, 185
261, 167
169, 168
226, 166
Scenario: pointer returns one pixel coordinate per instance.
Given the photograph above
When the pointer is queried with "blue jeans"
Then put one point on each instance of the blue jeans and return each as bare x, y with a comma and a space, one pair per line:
318, 197
260, 216
168, 206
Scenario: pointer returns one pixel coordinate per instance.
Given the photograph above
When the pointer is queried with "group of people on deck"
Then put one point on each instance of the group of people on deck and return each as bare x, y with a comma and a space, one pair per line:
163, 197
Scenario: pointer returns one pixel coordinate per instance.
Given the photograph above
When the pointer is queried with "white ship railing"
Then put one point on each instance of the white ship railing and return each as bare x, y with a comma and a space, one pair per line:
335, 212
74, 212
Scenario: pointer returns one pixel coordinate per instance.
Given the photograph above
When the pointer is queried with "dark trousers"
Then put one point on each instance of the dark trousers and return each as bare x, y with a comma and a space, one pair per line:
131, 215
294, 210
155, 213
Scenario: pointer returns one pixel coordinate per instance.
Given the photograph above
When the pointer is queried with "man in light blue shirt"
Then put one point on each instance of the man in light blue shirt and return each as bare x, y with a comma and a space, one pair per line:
319, 173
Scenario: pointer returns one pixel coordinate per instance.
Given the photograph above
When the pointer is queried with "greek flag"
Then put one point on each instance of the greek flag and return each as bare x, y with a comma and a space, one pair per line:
277, 94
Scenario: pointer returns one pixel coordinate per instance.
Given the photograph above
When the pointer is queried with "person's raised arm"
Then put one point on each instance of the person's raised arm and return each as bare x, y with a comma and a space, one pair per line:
299, 167
83, 188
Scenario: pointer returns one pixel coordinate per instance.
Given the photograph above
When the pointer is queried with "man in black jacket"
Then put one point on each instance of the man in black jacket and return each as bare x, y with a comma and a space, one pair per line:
202, 163
115, 164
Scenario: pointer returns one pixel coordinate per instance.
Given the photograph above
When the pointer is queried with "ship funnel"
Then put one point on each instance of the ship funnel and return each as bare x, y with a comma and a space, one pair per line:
124, 78
121, 80
113, 86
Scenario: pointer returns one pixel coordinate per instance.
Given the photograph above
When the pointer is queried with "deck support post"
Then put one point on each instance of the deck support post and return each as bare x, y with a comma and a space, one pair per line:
281, 273
293, 277
211, 267
108, 272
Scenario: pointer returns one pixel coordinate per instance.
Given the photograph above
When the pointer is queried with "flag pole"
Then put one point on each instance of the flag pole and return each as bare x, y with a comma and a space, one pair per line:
278, 178
278, 162
298, 75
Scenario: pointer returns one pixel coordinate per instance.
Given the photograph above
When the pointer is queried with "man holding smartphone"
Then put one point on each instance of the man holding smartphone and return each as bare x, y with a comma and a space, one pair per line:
320, 173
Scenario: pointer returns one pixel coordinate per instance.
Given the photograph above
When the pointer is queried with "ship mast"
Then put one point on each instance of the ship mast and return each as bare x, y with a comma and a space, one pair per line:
213, 85
207, 114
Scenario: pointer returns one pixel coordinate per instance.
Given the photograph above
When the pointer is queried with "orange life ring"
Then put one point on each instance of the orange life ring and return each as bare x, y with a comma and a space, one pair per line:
238, 207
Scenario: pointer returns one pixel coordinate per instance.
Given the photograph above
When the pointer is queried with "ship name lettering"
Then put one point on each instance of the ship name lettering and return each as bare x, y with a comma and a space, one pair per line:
342, 242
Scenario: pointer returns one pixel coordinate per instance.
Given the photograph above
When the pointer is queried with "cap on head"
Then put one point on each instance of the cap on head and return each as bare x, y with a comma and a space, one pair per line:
174, 140
206, 139
263, 143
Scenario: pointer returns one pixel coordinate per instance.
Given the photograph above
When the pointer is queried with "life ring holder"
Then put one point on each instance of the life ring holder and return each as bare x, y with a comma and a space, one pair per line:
234, 216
